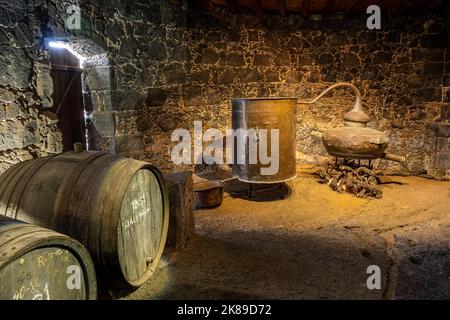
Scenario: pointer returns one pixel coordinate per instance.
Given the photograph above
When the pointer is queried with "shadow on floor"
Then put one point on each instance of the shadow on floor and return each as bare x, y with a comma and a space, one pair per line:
259, 192
269, 265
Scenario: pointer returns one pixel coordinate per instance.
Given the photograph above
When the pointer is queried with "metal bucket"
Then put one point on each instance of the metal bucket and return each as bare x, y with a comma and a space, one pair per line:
208, 194
265, 113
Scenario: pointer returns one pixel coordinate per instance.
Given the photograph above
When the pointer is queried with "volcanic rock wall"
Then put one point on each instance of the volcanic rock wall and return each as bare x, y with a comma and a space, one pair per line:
402, 70
154, 66
25, 87
134, 55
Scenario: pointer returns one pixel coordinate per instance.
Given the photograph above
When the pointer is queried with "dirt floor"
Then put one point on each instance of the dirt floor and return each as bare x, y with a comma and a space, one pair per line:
316, 244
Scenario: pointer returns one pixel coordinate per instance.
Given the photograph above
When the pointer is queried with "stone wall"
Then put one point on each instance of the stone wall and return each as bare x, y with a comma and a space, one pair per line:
154, 66
134, 56
25, 87
440, 133
132, 97
401, 71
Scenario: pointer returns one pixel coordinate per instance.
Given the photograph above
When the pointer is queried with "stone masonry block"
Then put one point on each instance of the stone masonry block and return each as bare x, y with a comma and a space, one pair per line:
181, 217
129, 143
441, 144
440, 129
445, 112
442, 160
104, 123
98, 78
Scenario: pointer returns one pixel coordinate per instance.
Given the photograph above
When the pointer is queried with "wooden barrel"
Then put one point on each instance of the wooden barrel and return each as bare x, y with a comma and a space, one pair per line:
40, 264
116, 207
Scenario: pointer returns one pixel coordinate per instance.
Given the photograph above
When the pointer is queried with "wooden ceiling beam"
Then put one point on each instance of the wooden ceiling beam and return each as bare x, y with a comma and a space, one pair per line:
406, 6
432, 4
306, 4
350, 6
329, 6
231, 4
205, 4
282, 7
257, 8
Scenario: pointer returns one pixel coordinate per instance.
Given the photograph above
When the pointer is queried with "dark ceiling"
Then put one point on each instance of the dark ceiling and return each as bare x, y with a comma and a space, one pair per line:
306, 7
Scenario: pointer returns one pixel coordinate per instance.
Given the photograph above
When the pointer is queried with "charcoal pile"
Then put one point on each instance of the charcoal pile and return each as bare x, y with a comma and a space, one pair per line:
350, 177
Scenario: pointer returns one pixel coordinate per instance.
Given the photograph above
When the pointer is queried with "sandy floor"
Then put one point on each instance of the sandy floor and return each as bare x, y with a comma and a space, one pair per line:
316, 244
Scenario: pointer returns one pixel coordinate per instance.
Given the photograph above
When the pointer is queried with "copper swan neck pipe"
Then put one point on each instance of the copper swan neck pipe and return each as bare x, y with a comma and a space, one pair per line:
356, 107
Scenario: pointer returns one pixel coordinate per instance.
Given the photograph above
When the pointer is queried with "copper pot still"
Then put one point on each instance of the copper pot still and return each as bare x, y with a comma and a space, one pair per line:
355, 140
352, 141
268, 114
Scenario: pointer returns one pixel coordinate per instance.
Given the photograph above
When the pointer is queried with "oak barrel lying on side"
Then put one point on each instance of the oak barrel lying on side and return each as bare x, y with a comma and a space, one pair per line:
116, 207
40, 264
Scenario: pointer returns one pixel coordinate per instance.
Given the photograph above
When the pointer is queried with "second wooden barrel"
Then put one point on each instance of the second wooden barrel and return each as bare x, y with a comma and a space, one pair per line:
40, 264
116, 207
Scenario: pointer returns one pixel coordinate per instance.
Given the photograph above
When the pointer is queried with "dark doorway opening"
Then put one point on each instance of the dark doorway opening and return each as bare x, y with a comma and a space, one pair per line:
67, 96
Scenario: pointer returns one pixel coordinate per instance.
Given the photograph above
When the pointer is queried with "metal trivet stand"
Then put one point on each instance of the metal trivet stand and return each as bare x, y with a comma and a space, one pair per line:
254, 192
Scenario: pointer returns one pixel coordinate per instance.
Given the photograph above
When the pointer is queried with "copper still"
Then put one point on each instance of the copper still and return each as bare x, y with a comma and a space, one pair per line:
352, 141
355, 140
266, 113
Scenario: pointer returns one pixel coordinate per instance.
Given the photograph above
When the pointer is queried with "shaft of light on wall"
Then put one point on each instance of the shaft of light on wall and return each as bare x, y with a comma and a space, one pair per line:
64, 45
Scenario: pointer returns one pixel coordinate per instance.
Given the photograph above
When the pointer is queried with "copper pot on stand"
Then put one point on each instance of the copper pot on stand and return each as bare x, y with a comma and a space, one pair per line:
355, 140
